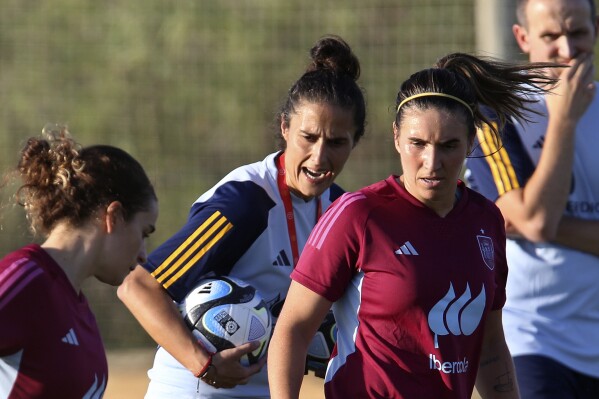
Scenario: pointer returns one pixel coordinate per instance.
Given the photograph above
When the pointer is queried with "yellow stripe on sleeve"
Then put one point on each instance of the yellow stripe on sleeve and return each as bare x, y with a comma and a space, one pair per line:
191, 245
199, 255
509, 169
498, 159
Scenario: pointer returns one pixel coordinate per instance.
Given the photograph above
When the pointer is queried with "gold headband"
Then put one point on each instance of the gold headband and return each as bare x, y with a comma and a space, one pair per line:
433, 94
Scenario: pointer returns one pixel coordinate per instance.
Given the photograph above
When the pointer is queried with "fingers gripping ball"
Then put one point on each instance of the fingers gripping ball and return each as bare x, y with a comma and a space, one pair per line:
322, 345
226, 312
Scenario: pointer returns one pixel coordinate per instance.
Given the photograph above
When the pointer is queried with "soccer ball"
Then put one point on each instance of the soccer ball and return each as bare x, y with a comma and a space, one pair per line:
226, 312
322, 345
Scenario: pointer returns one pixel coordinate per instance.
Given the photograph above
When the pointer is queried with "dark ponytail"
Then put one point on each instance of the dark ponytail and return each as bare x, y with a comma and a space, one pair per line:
476, 81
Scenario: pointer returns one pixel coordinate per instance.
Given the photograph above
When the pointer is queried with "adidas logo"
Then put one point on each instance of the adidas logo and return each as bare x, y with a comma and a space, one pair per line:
282, 259
205, 289
407, 249
71, 338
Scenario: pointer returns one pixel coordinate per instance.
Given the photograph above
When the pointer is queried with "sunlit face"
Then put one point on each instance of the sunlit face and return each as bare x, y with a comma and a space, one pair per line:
319, 139
557, 31
433, 144
126, 245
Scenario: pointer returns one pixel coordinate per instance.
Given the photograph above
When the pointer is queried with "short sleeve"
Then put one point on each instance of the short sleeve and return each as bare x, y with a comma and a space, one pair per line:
496, 167
331, 256
217, 233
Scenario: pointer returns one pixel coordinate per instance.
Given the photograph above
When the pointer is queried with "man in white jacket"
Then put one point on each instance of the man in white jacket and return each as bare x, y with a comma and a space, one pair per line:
544, 177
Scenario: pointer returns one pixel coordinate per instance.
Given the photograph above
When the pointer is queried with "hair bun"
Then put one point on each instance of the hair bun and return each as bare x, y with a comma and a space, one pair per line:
333, 53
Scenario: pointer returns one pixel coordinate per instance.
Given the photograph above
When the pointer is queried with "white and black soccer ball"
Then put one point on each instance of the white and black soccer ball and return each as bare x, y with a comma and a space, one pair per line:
226, 312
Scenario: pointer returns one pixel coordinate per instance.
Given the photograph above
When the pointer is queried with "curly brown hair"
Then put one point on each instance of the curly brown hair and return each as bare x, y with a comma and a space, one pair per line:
63, 182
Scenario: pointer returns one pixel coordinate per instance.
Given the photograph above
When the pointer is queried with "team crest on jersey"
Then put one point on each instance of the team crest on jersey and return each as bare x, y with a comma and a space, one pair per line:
487, 251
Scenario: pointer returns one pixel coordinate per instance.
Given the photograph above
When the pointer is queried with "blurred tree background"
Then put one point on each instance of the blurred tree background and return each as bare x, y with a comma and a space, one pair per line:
191, 89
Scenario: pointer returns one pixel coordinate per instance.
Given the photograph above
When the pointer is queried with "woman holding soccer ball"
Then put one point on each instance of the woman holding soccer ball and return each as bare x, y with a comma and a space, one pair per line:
95, 206
252, 225
414, 266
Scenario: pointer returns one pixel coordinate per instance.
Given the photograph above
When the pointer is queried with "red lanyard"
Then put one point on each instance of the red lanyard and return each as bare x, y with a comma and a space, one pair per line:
286, 196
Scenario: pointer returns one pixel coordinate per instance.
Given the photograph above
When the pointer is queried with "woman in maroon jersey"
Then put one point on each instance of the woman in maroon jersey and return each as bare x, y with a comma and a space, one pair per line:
414, 266
94, 206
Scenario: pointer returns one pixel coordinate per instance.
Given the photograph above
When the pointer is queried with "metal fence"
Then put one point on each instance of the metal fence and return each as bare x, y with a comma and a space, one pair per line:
191, 88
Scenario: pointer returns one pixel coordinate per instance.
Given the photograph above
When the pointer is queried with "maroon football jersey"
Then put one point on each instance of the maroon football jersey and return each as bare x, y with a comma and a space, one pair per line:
412, 290
50, 345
